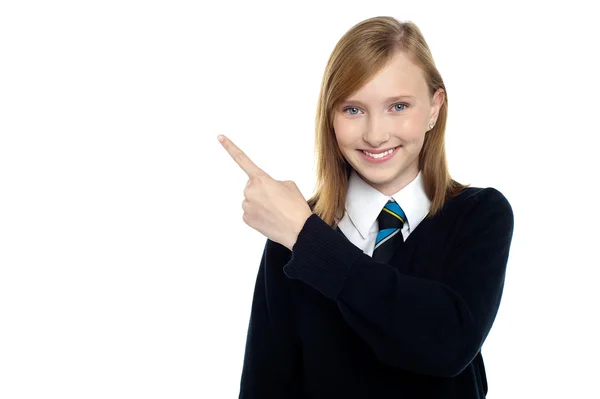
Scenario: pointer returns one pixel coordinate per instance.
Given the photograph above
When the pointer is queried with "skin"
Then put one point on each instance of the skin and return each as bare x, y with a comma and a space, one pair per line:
277, 209
367, 121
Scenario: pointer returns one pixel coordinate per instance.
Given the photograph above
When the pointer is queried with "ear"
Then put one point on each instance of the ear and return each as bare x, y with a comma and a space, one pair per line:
438, 100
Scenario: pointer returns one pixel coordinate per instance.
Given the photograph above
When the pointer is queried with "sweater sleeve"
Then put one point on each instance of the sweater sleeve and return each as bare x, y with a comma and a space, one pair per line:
433, 327
271, 368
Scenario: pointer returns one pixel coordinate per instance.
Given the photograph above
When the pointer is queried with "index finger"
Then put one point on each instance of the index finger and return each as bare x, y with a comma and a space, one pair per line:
240, 157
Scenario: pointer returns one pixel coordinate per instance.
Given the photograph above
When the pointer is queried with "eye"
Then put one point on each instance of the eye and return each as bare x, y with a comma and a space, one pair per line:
401, 104
355, 110
350, 108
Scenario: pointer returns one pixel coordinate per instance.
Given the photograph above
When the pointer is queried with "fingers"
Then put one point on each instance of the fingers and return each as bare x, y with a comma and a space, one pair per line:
241, 158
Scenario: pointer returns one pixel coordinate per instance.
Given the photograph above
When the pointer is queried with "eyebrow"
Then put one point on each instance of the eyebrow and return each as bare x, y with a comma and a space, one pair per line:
387, 100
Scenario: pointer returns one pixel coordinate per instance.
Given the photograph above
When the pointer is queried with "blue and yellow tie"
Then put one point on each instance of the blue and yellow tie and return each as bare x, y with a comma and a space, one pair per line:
389, 238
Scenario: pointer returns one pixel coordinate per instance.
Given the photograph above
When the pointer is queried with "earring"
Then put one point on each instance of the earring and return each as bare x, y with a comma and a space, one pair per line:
431, 125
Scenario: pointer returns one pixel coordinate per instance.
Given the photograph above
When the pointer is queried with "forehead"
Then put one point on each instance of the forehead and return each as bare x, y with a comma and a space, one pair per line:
399, 77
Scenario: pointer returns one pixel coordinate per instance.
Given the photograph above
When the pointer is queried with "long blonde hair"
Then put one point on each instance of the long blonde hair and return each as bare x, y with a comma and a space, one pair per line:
363, 51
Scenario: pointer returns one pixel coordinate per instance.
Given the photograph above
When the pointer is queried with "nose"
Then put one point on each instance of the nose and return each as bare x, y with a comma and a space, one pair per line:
377, 132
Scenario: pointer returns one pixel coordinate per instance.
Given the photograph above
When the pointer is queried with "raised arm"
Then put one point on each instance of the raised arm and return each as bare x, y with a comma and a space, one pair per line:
433, 327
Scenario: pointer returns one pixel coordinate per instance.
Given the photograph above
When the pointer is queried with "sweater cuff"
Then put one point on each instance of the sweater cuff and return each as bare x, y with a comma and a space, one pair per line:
322, 257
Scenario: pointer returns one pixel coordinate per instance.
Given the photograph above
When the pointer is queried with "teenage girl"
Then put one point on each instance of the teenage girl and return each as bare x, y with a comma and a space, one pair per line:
385, 283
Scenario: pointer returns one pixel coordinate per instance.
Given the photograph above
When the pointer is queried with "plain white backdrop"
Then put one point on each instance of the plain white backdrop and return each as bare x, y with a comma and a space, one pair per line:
126, 270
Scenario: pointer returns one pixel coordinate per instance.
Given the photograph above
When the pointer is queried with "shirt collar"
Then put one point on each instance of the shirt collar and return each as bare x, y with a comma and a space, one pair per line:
364, 203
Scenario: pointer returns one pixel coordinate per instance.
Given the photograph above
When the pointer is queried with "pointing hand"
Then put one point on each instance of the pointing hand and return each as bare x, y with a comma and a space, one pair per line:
277, 209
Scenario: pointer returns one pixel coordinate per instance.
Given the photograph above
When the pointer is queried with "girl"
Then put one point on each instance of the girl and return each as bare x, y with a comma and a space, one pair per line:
385, 283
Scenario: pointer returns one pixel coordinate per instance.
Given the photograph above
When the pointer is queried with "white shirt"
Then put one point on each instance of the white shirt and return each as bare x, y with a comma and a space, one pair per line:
364, 203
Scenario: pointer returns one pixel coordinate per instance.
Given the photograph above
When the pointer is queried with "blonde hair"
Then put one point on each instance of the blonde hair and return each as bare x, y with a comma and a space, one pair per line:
364, 50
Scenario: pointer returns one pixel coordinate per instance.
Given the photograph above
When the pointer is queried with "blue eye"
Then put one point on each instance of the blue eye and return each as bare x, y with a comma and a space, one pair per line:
346, 109
402, 104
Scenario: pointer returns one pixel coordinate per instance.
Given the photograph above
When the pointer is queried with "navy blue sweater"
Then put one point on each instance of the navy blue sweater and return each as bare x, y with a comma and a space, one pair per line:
327, 321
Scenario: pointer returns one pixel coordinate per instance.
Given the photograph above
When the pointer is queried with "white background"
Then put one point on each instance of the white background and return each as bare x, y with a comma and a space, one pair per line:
117, 279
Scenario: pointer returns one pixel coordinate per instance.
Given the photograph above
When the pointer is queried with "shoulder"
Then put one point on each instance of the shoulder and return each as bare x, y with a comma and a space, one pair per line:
480, 209
480, 197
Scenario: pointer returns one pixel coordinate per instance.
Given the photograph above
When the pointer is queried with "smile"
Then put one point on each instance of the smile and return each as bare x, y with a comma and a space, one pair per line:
380, 157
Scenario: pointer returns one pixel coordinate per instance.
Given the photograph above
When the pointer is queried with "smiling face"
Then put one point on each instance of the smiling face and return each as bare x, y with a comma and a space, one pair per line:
390, 112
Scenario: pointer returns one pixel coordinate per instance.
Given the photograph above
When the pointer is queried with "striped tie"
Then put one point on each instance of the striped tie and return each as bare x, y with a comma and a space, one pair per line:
389, 238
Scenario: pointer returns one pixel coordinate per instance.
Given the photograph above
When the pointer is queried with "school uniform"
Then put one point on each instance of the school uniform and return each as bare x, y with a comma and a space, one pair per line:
329, 321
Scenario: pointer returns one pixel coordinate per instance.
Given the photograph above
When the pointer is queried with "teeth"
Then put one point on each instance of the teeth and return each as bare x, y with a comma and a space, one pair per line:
383, 154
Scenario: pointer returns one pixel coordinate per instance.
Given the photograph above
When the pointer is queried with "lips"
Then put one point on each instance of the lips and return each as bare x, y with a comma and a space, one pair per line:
379, 151
381, 159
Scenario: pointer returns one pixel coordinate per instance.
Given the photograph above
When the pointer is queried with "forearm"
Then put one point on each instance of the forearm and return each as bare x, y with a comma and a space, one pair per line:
422, 325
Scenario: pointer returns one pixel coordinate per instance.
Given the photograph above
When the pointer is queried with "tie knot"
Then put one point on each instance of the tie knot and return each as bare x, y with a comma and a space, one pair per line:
391, 216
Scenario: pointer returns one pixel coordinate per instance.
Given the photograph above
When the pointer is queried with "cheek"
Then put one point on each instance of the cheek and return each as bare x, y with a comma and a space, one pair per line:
343, 131
411, 129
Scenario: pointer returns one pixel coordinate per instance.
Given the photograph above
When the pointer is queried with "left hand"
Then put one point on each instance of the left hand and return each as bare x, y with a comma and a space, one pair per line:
277, 209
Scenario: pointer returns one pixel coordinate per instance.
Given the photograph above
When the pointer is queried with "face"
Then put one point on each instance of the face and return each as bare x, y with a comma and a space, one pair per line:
391, 112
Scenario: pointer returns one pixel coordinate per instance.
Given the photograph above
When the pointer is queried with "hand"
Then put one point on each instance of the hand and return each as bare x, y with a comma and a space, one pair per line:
277, 209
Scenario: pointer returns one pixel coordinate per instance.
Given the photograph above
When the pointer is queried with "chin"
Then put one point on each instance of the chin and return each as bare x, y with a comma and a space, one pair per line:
378, 177
384, 181
390, 177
